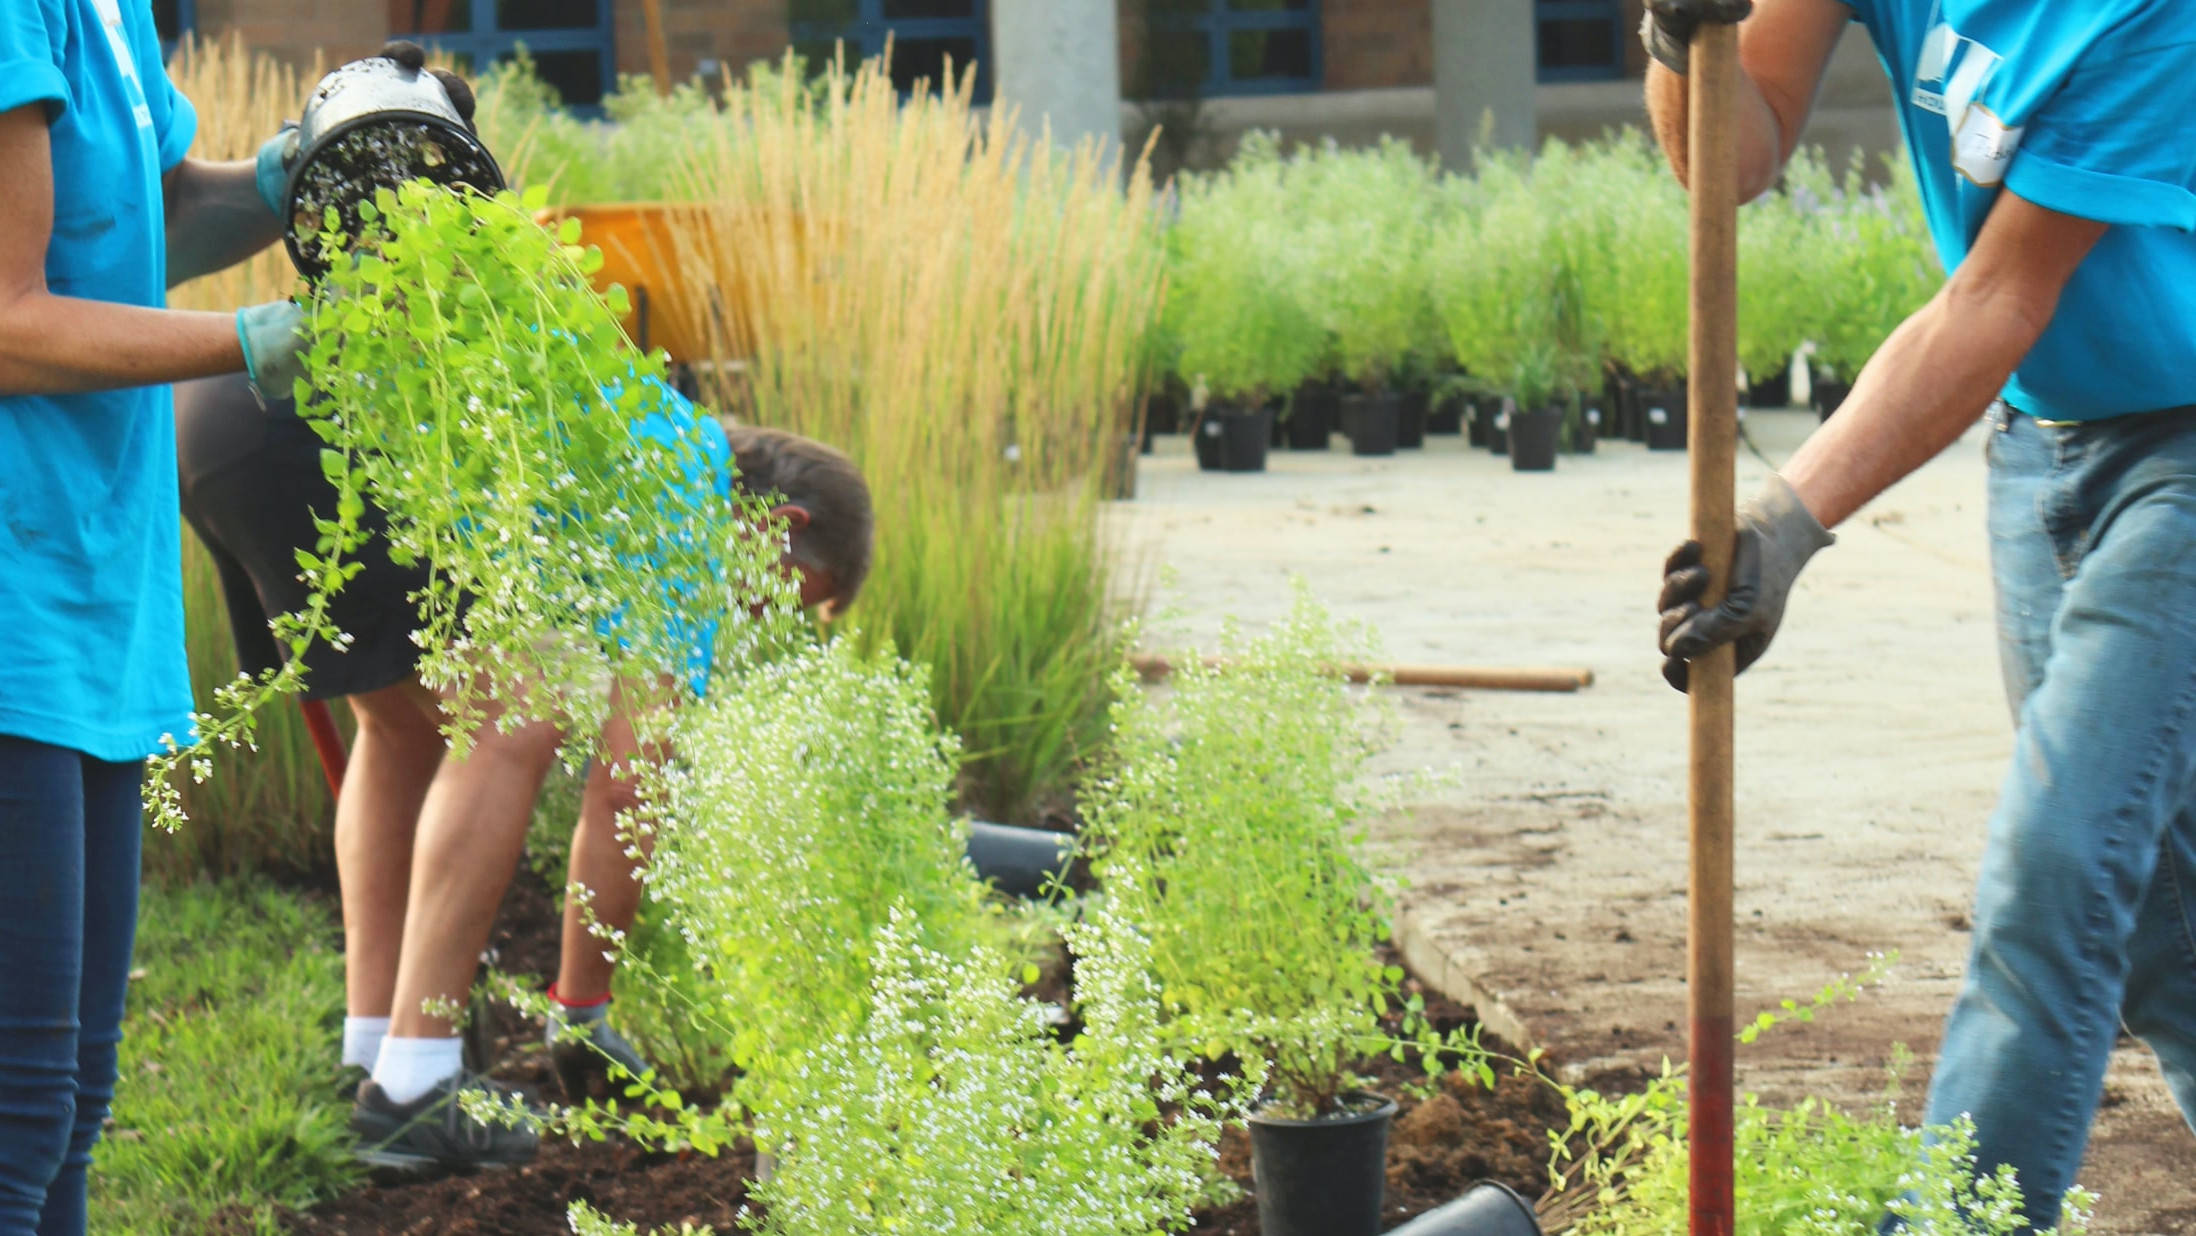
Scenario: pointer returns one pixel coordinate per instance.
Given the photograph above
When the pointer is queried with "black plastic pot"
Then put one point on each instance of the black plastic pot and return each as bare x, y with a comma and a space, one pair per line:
1830, 395
1490, 1208
1446, 416
1586, 429
1533, 436
1662, 413
1374, 421
1410, 419
1162, 414
1321, 1177
1485, 409
1498, 426
1019, 861
1311, 417
418, 134
1774, 391
1206, 435
1230, 439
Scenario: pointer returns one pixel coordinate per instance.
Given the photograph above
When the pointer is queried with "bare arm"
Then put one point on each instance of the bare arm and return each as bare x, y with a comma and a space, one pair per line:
215, 217
59, 344
1944, 365
1783, 50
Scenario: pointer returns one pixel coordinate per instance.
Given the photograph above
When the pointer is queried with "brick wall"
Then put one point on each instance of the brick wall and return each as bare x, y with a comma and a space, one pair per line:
295, 29
733, 32
1371, 44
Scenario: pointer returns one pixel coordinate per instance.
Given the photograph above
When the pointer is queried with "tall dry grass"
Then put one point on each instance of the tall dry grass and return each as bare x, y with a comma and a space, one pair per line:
963, 307
267, 809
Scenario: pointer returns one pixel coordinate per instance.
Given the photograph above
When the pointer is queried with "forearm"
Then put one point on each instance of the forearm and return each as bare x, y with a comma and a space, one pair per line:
51, 345
215, 218
1930, 380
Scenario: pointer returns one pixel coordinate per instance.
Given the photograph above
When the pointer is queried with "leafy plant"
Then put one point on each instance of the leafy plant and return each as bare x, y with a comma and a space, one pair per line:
468, 380
1363, 219
1233, 848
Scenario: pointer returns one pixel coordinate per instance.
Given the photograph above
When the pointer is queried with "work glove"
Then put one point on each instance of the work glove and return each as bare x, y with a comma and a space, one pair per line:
1776, 536
1669, 25
274, 342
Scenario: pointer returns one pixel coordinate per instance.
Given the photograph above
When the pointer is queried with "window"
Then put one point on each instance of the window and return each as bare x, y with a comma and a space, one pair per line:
1580, 40
1217, 47
569, 40
925, 35
174, 19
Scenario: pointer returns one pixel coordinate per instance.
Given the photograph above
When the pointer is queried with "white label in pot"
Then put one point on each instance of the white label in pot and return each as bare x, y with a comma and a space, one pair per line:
1593, 416
1656, 416
1212, 428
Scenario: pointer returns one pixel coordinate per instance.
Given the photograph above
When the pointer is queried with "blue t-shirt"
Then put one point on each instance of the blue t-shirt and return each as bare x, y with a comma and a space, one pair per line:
705, 457
91, 596
2083, 107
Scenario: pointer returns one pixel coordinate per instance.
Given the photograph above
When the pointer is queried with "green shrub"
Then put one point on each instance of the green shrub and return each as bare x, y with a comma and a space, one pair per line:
1233, 847
1880, 267
1363, 221
228, 1096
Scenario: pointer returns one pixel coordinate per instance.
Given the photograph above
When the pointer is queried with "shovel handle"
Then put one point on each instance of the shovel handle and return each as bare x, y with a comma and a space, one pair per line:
1712, 156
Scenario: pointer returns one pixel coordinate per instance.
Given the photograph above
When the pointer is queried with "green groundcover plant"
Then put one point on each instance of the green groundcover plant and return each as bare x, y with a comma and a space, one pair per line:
468, 380
1234, 848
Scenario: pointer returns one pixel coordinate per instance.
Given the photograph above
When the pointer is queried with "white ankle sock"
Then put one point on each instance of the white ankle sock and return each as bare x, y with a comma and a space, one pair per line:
362, 1039
408, 1068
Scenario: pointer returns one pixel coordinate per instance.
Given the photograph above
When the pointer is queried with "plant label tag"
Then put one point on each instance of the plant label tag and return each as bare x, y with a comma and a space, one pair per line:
1657, 416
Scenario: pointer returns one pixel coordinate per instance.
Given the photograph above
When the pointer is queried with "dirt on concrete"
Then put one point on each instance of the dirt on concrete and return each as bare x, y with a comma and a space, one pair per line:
1870, 744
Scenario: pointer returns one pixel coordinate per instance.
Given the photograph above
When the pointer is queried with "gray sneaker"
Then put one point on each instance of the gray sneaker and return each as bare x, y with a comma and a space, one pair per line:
583, 1046
434, 1133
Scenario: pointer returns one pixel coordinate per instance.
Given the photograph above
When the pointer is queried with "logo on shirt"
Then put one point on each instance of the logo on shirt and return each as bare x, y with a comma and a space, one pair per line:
1951, 72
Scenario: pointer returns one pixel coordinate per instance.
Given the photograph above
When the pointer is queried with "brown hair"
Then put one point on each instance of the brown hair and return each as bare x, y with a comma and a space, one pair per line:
820, 480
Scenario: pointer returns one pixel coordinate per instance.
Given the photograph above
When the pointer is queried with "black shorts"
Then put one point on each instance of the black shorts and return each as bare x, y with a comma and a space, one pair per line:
251, 483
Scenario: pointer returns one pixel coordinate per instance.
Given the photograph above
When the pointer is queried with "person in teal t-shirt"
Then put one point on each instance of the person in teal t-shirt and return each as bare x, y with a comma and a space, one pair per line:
2057, 166
100, 213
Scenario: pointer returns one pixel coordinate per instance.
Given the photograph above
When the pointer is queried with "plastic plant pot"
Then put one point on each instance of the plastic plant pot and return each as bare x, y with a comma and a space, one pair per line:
1490, 1208
1830, 395
1375, 421
373, 124
1662, 413
1322, 1177
1410, 420
1206, 436
1311, 417
1021, 862
1586, 430
1498, 427
1244, 436
1533, 436
1446, 416
1485, 410
1774, 391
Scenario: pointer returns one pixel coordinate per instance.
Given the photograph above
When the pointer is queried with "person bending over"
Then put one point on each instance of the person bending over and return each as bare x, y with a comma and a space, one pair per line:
427, 844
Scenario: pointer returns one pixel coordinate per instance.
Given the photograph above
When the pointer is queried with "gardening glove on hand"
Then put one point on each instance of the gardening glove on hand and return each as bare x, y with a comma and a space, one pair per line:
1670, 24
1775, 538
274, 342
273, 172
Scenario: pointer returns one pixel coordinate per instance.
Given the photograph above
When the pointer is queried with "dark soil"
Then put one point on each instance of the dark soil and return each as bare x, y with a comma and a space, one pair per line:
379, 155
1444, 1139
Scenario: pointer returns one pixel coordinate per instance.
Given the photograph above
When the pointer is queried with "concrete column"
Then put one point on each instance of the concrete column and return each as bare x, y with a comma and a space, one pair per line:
1485, 54
1059, 62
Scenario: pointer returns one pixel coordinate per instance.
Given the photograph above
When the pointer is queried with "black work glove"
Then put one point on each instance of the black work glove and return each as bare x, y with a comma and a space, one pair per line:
1669, 26
1775, 538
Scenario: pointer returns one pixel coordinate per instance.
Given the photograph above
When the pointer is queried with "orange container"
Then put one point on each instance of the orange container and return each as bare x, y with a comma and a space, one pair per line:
639, 252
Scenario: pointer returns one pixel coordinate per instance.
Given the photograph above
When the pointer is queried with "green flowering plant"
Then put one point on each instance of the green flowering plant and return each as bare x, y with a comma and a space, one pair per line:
1225, 824
470, 383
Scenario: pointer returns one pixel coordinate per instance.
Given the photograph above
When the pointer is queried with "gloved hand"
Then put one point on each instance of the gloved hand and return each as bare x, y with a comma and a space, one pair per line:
275, 156
1776, 536
274, 342
1668, 27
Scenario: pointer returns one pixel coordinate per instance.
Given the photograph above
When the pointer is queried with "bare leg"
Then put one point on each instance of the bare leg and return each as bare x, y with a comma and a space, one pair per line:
393, 760
600, 863
472, 829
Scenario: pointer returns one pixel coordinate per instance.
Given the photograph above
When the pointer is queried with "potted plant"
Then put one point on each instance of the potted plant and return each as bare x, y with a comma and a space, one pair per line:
1537, 423
1230, 848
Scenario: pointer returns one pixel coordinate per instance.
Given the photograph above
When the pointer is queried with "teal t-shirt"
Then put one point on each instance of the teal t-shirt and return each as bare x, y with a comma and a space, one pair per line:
2083, 107
91, 597
705, 457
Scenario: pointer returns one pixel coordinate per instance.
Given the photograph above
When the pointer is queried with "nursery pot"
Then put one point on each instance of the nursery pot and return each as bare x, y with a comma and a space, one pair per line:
1374, 421
1586, 430
1830, 395
1230, 439
1498, 425
1020, 861
1662, 414
1774, 391
373, 124
1311, 417
1485, 410
1206, 436
1410, 419
1322, 1177
1533, 434
1162, 414
1447, 415
1489, 1209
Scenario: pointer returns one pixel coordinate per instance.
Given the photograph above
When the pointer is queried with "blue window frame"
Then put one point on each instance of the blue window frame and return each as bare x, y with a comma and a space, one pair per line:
924, 34
174, 19
570, 41
1579, 40
1243, 46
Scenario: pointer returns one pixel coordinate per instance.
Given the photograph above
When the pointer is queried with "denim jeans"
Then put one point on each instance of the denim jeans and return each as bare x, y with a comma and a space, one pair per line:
2085, 905
70, 828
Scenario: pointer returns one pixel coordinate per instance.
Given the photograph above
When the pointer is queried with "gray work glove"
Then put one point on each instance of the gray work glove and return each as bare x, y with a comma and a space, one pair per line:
274, 342
1775, 538
1669, 25
272, 172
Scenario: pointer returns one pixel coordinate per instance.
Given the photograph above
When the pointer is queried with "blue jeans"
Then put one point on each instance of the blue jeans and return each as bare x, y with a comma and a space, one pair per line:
70, 828
2085, 905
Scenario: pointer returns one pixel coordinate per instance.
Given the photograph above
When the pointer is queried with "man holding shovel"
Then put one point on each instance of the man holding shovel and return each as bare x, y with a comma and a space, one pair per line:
2056, 167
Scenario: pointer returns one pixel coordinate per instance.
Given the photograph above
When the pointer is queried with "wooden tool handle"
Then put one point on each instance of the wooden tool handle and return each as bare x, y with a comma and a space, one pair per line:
1712, 175
1476, 677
